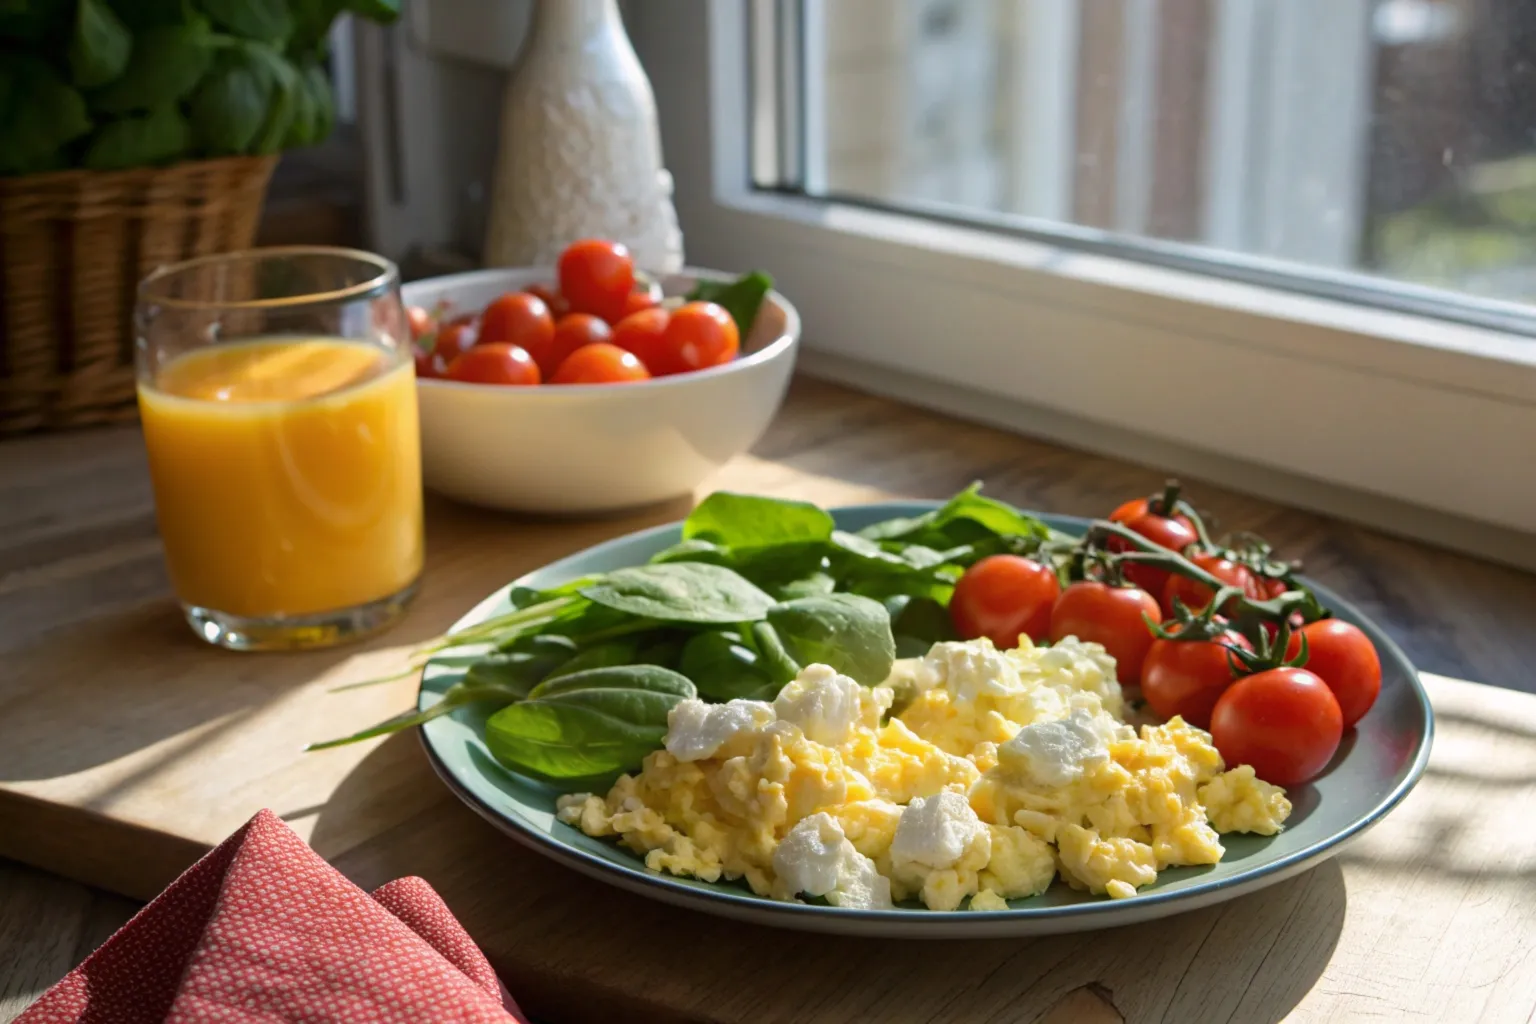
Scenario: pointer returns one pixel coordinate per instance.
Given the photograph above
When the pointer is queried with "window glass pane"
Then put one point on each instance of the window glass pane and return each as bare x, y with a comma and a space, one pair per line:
1393, 137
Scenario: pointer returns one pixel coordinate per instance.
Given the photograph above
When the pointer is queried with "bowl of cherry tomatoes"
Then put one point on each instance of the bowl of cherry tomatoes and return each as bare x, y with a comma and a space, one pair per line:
590, 386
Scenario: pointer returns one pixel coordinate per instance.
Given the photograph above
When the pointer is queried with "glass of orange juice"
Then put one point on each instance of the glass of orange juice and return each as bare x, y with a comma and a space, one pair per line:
278, 400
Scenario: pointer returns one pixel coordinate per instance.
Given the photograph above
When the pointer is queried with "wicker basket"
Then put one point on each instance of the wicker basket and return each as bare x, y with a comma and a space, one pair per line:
73, 247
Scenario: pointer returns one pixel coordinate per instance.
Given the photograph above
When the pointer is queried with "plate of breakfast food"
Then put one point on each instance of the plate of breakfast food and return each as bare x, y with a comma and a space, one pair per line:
924, 719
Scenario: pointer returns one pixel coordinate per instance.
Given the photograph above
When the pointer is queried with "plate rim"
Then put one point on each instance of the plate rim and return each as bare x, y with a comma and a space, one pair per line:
940, 923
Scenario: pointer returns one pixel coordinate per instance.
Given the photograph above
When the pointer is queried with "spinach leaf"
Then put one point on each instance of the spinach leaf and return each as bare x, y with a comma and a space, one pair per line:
694, 550
812, 585
965, 518
918, 623
607, 654
744, 521
165, 65
266, 20
741, 298
230, 105
723, 668
42, 113
460, 694
518, 671
155, 138
590, 724
848, 632
681, 592
99, 45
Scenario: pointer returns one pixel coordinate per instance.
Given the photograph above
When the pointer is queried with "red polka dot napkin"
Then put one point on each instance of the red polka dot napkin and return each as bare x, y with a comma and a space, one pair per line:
262, 929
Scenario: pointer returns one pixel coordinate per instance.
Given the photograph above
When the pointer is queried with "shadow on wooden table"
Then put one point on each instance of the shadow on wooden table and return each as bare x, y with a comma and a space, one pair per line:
573, 949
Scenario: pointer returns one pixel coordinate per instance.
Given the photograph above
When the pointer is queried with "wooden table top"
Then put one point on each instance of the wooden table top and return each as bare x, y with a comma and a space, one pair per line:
1431, 915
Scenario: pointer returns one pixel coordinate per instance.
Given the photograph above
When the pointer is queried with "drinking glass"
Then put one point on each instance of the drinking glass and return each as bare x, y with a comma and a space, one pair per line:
278, 400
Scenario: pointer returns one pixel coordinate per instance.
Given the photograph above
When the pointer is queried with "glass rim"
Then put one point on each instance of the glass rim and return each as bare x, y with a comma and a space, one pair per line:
388, 276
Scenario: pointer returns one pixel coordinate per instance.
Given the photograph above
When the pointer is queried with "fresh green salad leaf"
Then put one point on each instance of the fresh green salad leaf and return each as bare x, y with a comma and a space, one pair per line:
164, 67
966, 518
607, 654
813, 584
723, 668
590, 724
918, 623
99, 45
745, 521
681, 592
158, 137
848, 632
741, 298
460, 694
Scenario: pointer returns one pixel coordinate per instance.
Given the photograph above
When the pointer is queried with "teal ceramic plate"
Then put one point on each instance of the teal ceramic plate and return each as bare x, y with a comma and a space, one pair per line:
1374, 769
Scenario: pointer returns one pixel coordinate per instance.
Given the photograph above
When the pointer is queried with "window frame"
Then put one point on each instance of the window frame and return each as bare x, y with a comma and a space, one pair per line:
1409, 422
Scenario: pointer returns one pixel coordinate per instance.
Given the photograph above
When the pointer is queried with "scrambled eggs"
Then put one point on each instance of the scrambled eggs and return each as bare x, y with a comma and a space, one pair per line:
1000, 771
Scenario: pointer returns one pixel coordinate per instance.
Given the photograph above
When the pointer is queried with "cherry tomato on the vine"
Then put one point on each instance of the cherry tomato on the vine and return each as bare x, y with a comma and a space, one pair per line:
571, 332
1001, 597
1285, 722
495, 363
600, 363
1344, 658
1112, 616
596, 277
517, 318
1187, 677
1175, 532
1195, 596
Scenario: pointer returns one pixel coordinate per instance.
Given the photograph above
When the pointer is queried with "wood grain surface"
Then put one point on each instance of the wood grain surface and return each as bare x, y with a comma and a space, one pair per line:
127, 748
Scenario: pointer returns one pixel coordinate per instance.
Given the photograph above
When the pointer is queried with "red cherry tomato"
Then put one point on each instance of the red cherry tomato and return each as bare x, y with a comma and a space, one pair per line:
1285, 722
701, 335
520, 319
596, 277
1001, 597
495, 363
1112, 616
420, 322
1195, 596
1344, 658
1187, 677
571, 332
601, 363
1174, 532
645, 334
454, 338
558, 307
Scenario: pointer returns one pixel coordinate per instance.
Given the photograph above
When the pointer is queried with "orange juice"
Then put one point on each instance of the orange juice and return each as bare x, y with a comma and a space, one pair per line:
287, 475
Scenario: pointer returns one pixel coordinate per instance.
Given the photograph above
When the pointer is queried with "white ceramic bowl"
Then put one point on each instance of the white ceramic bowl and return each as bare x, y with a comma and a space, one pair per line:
595, 447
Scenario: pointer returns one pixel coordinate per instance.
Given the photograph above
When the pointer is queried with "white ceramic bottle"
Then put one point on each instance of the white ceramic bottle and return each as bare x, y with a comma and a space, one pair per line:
580, 150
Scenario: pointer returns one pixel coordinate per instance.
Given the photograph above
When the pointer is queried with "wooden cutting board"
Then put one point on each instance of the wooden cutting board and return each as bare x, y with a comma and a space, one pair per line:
128, 748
